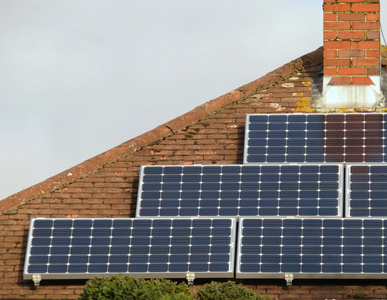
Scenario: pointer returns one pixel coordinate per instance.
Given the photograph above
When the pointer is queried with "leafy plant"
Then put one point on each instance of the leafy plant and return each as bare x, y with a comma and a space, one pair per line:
227, 291
121, 287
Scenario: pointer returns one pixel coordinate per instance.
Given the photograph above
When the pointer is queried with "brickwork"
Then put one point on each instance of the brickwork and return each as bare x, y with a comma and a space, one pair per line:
106, 186
351, 41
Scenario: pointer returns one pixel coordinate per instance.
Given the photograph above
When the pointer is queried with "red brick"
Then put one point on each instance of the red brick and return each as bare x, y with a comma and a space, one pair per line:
351, 16
329, 16
351, 53
366, 7
366, 45
373, 17
365, 25
373, 35
337, 45
330, 71
373, 71
351, 35
337, 26
340, 81
352, 71
373, 53
336, 7
365, 62
362, 81
330, 35
337, 62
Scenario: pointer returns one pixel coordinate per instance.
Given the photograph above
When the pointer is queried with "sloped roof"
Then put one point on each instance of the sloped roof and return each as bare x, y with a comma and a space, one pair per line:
96, 163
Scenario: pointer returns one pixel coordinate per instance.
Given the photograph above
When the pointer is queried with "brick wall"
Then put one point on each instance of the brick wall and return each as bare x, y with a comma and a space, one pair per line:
351, 41
110, 190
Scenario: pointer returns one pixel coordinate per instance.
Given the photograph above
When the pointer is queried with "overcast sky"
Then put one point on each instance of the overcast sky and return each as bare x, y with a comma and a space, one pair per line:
79, 77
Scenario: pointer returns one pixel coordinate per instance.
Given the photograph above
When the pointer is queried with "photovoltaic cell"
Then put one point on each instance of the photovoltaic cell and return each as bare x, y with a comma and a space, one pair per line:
312, 248
315, 138
240, 190
84, 248
366, 190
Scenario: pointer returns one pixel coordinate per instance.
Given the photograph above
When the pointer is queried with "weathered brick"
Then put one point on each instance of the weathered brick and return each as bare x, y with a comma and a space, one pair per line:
365, 25
351, 35
373, 35
340, 81
348, 16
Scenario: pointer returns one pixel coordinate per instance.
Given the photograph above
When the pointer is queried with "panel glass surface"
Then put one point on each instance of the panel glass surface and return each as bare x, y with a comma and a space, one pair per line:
366, 190
84, 248
240, 190
315, 138
311, 246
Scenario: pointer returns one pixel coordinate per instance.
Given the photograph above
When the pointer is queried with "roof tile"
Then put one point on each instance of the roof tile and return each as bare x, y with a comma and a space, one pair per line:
254, 92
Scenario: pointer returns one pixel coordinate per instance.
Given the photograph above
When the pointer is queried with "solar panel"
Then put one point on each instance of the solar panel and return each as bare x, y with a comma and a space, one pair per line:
366, 190
312, 248
315, 138
240, 190
85, 248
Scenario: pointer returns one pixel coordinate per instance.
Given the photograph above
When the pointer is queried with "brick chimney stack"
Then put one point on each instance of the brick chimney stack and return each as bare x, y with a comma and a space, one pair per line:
351, 54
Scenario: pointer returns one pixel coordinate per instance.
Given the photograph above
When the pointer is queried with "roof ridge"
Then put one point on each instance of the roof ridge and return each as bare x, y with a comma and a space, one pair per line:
94, 164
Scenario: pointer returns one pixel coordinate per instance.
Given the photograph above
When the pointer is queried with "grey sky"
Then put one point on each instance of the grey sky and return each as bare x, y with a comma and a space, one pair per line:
78, 77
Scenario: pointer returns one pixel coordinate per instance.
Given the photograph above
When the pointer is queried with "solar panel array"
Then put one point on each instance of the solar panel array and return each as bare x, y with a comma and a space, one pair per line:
84, 248
240, 190
315, 138
296, 213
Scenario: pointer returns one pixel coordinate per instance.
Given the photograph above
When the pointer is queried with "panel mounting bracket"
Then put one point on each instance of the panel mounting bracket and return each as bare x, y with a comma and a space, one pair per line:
36, 278
190, 278
289, 278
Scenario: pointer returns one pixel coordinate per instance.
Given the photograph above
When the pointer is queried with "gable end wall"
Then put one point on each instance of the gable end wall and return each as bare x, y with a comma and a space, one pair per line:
109, 188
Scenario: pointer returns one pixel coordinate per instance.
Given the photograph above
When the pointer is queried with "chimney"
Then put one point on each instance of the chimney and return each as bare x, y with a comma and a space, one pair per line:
351, 54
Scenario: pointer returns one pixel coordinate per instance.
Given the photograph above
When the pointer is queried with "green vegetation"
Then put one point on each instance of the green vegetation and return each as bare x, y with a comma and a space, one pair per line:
227, 291
131, 288
122, 287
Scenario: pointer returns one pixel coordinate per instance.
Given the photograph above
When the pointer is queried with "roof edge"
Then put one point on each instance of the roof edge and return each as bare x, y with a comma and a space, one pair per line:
92, 165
